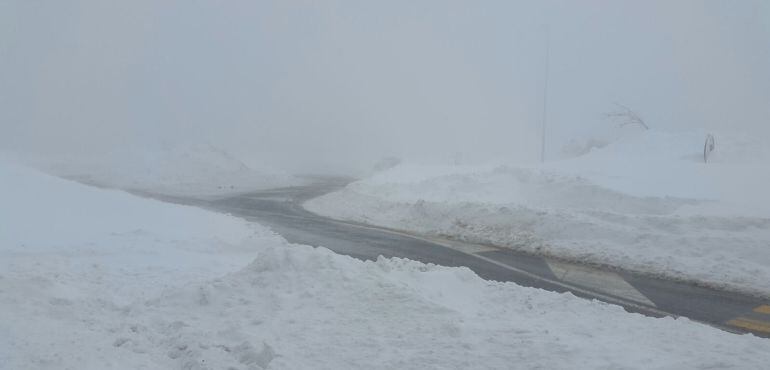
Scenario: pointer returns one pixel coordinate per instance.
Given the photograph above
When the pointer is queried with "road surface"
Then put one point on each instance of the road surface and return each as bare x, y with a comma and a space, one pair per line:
281, 209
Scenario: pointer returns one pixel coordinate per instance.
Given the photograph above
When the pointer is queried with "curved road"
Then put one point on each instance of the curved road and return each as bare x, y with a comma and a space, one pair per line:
281, 209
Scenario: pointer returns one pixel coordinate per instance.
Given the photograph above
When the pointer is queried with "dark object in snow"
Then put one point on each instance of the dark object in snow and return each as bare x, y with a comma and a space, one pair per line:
625, 117
708, 147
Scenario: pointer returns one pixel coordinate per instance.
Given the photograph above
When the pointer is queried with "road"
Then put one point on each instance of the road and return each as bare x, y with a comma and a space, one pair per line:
281, 209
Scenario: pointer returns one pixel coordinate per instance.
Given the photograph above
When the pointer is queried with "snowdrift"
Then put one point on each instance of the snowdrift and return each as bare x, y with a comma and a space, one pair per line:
645, 203
97, 279
192, 169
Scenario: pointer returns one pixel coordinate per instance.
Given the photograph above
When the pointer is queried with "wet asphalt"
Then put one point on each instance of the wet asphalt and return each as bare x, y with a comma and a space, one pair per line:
281, 210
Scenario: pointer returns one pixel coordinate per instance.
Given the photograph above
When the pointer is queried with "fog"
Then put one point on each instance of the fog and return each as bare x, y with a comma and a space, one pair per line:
334, 85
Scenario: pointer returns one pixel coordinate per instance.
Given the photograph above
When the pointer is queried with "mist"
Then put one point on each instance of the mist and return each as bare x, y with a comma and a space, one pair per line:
333, 86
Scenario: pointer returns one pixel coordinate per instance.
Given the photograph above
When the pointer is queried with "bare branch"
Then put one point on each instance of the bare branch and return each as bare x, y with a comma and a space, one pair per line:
626, 116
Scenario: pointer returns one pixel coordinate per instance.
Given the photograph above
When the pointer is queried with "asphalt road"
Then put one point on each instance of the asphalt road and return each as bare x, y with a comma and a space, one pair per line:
281, 209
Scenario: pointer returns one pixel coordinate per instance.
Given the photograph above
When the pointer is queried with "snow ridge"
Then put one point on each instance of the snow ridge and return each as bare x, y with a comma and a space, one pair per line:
99, 279
643, 203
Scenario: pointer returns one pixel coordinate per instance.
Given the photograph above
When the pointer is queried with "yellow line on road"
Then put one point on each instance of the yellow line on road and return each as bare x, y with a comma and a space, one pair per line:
749, 324
765, 309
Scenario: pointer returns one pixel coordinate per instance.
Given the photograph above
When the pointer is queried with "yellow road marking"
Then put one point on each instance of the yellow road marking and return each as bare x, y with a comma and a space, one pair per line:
749, 324
765, 309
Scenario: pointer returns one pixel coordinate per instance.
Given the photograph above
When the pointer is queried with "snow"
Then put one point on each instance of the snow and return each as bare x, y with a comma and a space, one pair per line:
73, 257
644, 203
183, 169
99, 279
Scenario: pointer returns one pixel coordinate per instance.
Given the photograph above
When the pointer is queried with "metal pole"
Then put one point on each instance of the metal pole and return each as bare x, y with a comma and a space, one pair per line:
545, 93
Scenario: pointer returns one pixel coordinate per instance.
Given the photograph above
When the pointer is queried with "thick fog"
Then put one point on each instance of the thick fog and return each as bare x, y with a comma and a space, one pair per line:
335, 85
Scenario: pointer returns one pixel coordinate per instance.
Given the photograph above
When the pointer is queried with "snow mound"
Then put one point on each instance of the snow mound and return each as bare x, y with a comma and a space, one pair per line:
190, 169
70, 255
655, 145
644, 203
98, 279
48, 212
297, 308
506, 184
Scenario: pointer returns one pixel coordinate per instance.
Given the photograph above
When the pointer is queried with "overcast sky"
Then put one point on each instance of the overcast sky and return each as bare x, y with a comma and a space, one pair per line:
318, 84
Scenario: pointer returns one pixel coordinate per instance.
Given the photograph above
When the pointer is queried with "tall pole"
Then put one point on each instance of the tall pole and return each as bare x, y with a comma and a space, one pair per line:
545, 93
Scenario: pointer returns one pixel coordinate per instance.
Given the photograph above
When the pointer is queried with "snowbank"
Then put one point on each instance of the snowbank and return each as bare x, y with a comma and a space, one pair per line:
69, 255
303, 308
646, 203
95, 279
192, 169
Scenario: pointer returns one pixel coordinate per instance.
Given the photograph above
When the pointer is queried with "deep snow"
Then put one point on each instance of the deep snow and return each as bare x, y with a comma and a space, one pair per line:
646, 203
186, 169
99, 279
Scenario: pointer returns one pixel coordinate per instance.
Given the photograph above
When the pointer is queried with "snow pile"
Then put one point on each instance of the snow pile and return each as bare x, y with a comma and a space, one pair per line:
311, 309
69, 255
95, 279
660, 164
191, 169
646, 203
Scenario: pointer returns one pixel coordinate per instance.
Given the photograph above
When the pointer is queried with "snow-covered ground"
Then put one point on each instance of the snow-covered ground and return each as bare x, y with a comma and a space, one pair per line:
99, 279
189, 169
646, 202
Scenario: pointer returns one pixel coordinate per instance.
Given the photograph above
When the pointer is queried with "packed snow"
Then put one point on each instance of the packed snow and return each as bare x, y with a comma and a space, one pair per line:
100, 279
185, 169
646, 203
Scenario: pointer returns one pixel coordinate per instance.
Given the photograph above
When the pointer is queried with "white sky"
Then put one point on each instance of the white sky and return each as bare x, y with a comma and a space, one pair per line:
338, 84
